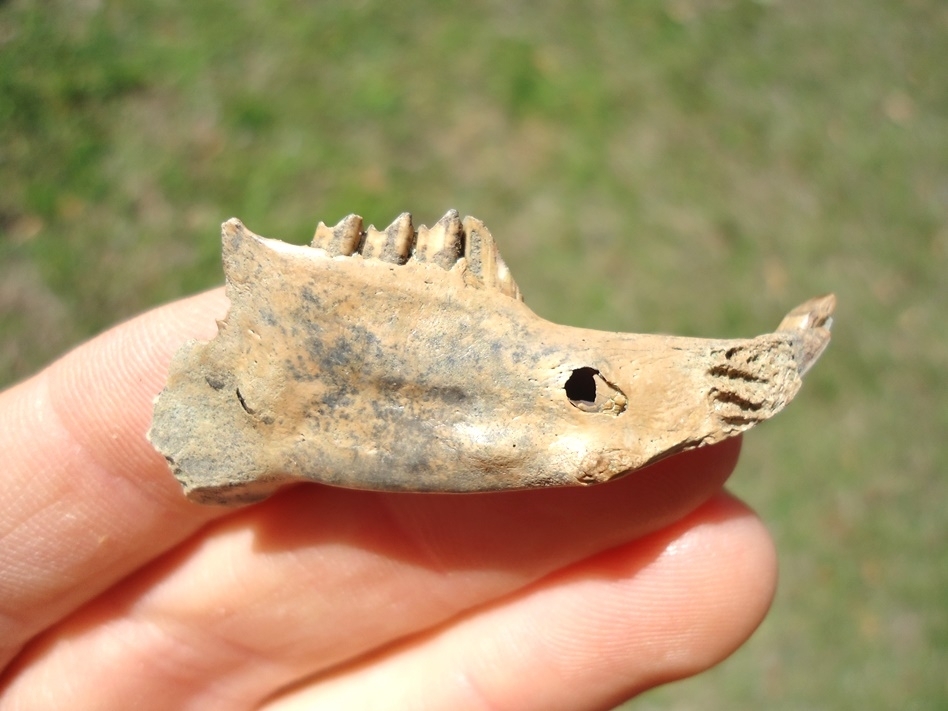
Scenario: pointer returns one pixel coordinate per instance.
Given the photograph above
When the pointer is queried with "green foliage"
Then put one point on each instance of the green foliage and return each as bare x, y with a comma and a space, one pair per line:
685, 166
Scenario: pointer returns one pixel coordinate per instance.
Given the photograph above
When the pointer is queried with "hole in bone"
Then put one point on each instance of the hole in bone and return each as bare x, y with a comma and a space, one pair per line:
588, 391
581, 387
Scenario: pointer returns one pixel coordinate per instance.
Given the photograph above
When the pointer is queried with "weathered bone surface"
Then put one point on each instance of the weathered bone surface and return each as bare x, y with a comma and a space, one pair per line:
404, 360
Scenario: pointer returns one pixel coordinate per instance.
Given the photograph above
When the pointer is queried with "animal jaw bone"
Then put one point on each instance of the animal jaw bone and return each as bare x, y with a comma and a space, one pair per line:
406, 361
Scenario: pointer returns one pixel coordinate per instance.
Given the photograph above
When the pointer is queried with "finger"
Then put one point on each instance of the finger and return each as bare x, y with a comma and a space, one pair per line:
317, 576
587, 637
86, 499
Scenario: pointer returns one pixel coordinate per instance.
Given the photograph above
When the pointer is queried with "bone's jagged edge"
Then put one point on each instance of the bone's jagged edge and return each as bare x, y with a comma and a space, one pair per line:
754, 379
812, 320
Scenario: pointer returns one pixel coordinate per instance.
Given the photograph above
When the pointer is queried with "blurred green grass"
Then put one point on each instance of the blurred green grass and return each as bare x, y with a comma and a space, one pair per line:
687, 166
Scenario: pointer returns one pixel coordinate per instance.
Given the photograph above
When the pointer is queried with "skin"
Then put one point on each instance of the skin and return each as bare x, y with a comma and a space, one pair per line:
117, 592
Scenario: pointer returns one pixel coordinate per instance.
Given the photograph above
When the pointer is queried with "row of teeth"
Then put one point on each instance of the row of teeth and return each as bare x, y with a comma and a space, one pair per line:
444, 244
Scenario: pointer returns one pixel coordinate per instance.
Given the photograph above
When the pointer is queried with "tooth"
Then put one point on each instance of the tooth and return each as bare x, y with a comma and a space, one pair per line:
443, 243
341, 239
401, 234
322, 237
394, 244
373, 244
346, 235
505, 281
480, 251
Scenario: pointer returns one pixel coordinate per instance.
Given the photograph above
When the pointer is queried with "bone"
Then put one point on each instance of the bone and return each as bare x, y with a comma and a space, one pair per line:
426, 372
813, 319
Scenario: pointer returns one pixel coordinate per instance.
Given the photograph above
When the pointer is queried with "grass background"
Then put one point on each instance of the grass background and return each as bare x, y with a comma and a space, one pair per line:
687, 166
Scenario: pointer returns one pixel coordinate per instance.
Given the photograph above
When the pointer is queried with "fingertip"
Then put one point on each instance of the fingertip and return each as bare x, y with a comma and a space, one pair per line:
719, 574
663, 608
87, 499
656, 610
667, 607
103, 391
588, 636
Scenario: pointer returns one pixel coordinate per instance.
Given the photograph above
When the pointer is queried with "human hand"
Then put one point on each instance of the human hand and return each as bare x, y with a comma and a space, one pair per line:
116, 592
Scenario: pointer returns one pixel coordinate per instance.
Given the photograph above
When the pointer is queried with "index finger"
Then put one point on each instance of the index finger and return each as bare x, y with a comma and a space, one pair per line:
86, 499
